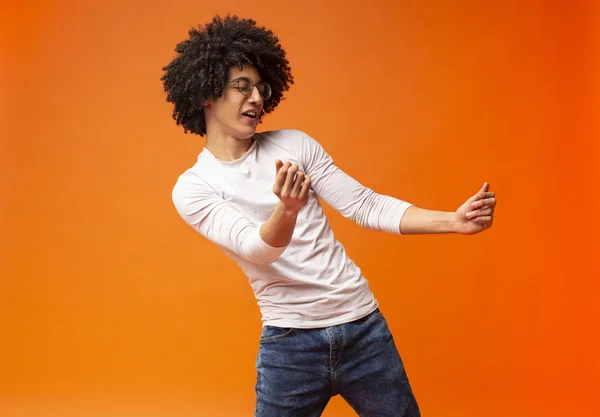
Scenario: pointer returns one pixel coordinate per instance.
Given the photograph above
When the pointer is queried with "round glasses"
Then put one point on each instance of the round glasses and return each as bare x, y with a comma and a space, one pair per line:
245, 86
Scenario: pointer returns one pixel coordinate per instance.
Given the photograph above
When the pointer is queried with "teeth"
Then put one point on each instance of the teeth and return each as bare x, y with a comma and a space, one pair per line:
251, 113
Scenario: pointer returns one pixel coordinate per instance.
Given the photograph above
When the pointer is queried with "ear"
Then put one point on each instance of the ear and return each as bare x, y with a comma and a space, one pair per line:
207, 103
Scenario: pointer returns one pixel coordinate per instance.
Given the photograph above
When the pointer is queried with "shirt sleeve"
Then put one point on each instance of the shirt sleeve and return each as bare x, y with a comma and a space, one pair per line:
346, 195
208, 213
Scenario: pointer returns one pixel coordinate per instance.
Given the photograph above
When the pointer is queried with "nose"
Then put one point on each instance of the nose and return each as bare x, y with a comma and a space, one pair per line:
255, 97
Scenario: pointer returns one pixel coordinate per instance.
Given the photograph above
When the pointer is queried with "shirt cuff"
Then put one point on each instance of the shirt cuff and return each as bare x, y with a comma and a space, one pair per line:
260, 251
397, 217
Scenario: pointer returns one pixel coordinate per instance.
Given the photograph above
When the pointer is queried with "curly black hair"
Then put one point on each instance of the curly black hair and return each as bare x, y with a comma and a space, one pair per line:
199, 71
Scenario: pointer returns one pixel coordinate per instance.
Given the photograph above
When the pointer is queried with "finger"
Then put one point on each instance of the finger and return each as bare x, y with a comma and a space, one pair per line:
283, 167
289, 180
480, 213
305, 188
278, 165
297, 185
490, 202
480, 196
280, 178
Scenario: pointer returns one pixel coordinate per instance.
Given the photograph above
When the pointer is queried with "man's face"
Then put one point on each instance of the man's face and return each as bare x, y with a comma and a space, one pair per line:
237, 112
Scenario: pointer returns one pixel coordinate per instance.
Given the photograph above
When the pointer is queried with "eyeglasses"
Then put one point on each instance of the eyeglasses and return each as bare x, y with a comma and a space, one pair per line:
245, 86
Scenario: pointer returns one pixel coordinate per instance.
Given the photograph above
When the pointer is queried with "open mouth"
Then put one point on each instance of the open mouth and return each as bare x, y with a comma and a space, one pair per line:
250, 114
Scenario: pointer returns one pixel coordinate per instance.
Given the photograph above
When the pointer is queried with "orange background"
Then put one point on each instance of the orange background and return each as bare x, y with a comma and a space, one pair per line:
111, 306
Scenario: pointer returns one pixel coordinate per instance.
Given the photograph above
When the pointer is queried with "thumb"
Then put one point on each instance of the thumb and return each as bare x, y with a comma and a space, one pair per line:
485, 187
278, 165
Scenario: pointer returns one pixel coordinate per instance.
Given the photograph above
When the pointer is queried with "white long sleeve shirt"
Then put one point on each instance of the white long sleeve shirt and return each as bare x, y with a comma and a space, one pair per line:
311, 282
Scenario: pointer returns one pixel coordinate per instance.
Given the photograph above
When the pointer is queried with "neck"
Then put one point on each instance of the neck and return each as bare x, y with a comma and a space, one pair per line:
227, 148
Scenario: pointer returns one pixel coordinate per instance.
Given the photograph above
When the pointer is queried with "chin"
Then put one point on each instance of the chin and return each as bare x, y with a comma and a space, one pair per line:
246, 133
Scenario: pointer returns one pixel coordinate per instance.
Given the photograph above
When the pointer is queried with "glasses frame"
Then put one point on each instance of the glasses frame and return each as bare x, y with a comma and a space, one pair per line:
237, 87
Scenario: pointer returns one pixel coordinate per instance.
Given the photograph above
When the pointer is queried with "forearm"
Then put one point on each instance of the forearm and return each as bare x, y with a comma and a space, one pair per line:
278, 229
417, 220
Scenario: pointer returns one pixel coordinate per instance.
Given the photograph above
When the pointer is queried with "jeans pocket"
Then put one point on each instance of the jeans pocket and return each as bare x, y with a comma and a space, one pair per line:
272, 333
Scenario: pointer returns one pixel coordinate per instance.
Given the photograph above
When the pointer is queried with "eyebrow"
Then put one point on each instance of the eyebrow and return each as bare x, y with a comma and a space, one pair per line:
245, 78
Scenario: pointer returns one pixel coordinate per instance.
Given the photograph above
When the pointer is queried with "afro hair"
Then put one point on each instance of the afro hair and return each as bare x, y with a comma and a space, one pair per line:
199, 70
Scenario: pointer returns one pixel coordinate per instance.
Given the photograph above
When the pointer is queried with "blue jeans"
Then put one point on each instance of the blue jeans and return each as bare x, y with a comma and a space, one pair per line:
299, 370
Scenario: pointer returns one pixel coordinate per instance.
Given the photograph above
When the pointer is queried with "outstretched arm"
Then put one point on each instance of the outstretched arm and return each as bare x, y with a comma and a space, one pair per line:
385, 213
473, 216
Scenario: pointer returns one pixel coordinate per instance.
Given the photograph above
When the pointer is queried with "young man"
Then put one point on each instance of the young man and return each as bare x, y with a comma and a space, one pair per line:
255, 195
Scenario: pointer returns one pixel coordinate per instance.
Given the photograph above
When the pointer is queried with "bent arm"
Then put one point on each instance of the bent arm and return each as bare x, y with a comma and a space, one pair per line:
209, 214
278, 229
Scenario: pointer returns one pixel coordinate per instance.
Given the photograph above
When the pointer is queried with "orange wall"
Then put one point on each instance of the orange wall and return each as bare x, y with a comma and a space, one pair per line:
111, 305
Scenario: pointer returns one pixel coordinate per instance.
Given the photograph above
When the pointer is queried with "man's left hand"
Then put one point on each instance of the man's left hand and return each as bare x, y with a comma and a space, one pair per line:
477, 213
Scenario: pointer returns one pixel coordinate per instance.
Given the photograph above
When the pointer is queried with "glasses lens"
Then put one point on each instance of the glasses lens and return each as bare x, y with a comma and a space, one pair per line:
245, 86
265, 90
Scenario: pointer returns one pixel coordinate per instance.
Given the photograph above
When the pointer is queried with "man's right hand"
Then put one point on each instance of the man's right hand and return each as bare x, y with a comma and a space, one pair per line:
291, 186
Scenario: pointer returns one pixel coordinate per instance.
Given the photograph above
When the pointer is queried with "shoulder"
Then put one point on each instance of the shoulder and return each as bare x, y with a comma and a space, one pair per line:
289, 138
191, 184
281, 135
202, 174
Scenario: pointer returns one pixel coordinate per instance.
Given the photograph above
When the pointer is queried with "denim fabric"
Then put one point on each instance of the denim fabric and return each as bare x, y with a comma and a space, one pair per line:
299, 370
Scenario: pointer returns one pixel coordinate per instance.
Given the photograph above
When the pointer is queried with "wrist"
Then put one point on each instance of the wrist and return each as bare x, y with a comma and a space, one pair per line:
286, 212
453, 222
445, 222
